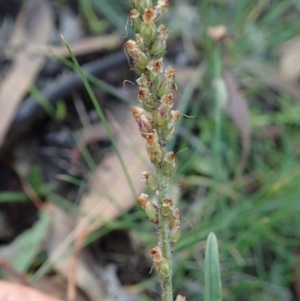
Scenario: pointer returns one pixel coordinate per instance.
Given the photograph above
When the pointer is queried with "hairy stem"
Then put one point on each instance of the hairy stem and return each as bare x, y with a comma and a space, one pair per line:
164, 235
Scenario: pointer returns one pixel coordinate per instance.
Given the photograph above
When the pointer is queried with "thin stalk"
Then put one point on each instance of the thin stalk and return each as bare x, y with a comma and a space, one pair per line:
164, 234
101, 116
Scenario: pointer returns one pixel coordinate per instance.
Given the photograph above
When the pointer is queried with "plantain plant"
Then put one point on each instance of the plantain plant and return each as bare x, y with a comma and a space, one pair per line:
156, 121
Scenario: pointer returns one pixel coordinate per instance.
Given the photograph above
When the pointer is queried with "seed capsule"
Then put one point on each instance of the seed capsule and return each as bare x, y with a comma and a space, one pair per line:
144, 122
158, 47
168, 164
167, 208
163, 31
164, 87
154, 150
162, 266
146, 99
148, 31
149, 15
139, 40
170, 74
144, 81
162, 114
168, 132
135, 19
164, 5
149, 207
141, 62
156, 67
151, 182
136, 112
144, 93
141, 5
175, 232
139, 57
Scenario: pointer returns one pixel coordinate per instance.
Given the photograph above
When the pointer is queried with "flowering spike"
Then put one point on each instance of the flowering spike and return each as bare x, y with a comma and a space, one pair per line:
156, 121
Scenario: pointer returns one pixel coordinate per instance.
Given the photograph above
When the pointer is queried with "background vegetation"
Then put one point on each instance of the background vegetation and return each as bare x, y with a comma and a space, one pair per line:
245, 106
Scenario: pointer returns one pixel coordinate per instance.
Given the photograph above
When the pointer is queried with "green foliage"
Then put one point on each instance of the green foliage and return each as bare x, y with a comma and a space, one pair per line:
29, 243
212, 282
255, 216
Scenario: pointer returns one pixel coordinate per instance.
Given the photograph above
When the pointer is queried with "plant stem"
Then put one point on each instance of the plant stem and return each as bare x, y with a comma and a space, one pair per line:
164, 234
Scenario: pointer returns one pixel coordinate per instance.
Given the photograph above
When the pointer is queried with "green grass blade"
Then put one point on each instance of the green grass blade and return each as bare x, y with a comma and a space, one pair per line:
101, 116
212, 270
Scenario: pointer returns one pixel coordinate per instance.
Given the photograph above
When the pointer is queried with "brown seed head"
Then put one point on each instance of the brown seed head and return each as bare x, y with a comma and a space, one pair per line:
139, 39
130, 45
170, 74
156, 67
168, 99
168, 203
136, 112
164, 4
143, 81
170, 157
144, 94
145, 175
145, 124
151, 139
132, 49
175, 115
177, 213
134, 13
142, 200
149, 15
156, 255
163, 30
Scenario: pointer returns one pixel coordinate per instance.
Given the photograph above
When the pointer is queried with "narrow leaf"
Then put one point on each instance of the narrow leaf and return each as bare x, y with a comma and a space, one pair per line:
212, 270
